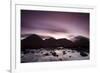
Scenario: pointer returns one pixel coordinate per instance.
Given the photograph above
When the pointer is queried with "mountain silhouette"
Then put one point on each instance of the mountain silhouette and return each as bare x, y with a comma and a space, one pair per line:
81, 43
54, 43
50, 43
64, 43
36, 42
31, 42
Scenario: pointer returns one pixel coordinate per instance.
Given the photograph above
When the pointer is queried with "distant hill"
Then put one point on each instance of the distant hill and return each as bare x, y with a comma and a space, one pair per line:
64, 43
32, 42
50, 43
82, 43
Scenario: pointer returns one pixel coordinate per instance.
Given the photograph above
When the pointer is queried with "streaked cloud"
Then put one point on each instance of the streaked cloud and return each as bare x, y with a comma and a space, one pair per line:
54, 24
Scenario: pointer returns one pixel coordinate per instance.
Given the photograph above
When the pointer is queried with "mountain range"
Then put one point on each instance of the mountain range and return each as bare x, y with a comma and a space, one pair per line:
36, 42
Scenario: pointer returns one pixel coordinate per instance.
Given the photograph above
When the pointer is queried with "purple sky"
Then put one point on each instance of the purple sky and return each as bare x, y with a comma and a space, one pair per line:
54, 24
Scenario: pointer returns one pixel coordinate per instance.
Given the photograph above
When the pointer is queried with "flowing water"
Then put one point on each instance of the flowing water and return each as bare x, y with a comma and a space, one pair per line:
46, 55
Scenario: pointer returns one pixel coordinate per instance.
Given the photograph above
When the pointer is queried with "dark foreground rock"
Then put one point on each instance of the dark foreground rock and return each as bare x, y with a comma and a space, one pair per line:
83, 54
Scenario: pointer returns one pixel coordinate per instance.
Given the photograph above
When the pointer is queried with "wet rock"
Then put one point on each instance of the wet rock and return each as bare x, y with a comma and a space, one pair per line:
83, 54
70, 56
64, 52
68, 51
41, 52
26, 51
73, 51
54, 54
32, 52
60, 59
46, 54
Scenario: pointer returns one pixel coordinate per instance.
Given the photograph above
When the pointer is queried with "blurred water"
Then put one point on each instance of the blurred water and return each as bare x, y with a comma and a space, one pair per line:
44, 55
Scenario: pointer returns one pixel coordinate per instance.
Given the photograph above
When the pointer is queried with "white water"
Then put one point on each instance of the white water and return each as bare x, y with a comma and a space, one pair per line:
38, 55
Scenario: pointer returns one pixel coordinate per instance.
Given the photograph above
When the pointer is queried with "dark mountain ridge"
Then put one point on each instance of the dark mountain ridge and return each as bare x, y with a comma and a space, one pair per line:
36, 42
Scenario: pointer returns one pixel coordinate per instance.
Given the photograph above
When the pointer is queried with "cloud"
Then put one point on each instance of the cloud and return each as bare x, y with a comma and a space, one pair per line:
55, 24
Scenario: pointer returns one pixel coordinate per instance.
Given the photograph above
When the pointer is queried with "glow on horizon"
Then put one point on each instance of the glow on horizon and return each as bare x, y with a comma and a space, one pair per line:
54, 24
57, 35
